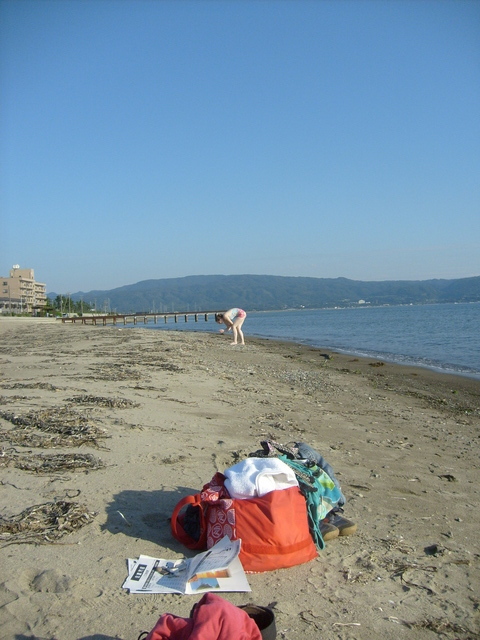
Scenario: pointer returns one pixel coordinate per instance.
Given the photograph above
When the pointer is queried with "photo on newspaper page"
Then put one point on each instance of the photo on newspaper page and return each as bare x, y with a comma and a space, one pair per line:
218, 569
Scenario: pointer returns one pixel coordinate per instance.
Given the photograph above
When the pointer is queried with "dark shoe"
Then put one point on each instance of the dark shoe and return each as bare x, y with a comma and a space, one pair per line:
264, 619
345, 527
328, 531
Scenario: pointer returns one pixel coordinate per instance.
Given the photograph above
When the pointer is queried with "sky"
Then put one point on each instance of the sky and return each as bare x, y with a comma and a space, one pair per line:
145, 139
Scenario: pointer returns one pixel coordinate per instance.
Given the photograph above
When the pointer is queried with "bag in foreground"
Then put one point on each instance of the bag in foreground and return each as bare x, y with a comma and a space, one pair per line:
273, 528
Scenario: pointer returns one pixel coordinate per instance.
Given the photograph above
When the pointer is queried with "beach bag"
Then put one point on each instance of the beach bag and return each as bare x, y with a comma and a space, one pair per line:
273, 528
320, 493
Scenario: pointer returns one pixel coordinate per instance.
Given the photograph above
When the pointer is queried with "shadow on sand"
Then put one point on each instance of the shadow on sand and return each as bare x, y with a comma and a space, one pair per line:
146, 515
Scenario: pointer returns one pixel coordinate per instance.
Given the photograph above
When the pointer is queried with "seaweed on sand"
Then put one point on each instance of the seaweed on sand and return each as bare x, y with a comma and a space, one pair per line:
63, 426
52, 463
44, 523
112, 403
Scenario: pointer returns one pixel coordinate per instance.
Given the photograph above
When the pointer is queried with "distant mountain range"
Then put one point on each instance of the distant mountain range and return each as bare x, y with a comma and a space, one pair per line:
266, 293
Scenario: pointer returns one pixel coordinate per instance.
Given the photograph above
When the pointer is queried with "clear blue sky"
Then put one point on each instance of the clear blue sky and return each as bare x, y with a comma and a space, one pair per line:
154, 139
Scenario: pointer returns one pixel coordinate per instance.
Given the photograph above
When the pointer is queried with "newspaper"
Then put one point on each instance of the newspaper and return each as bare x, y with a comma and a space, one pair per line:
218, 569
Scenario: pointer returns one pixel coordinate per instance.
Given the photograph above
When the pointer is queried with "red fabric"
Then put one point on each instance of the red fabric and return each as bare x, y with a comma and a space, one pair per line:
273, 528
213, 493
177, 520
274, 531
212, 618
220, 513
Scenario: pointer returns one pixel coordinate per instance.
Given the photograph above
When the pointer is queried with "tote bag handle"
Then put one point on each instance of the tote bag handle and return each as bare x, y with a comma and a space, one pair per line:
176, 523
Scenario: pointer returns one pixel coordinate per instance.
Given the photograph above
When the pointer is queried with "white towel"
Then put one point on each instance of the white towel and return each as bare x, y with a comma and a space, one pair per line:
258, 476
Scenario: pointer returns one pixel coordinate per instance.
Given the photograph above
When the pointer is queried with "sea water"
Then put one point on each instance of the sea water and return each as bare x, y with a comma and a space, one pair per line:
444, 337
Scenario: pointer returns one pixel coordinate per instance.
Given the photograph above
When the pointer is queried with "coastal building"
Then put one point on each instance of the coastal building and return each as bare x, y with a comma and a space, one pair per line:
20, 293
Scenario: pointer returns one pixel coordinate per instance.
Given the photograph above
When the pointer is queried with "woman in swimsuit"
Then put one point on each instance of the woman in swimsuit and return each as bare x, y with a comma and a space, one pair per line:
232, 319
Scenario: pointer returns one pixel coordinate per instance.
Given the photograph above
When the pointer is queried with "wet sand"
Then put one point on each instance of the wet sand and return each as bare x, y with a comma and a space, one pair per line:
152, 415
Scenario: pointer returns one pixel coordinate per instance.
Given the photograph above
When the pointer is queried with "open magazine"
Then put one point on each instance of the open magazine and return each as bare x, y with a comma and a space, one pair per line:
218, 569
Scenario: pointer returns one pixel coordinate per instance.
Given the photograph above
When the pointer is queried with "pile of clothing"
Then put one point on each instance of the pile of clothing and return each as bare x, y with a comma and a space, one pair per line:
331, 524
214, 618
283, 503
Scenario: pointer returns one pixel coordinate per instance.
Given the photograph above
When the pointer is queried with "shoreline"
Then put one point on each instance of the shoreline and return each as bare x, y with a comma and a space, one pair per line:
347, 353
167, 409
364, 356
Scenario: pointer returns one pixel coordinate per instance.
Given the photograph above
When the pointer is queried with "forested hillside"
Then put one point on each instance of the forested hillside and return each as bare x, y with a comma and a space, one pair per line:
262, 293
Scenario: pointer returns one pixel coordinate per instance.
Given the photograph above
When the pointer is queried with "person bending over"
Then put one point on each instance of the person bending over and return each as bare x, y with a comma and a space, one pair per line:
232, 319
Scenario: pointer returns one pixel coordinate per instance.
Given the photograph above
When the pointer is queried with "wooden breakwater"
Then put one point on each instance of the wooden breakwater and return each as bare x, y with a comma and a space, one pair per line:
135, 318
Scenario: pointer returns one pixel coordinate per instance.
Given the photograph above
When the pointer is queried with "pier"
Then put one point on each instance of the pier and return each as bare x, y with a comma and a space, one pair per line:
135, 318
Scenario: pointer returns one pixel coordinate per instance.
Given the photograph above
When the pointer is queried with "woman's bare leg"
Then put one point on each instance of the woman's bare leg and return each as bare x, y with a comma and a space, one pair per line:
237, 331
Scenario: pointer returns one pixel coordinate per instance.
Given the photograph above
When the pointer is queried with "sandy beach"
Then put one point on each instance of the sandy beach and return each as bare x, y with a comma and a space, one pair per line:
152, 415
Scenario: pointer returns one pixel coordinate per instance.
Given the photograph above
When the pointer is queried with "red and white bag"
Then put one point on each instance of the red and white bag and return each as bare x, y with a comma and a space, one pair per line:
273, 528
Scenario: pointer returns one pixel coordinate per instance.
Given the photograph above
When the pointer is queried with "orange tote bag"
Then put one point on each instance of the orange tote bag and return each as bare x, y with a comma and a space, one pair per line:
273, 528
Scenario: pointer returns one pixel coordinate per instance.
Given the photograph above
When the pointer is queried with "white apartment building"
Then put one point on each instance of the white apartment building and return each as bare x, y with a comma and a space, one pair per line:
19, 293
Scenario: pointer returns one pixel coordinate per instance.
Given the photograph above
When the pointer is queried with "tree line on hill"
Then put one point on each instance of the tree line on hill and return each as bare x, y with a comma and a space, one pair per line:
268, 293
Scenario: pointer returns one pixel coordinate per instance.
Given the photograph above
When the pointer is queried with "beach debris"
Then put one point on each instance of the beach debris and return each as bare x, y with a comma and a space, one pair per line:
111, 403
143, 387
114, 372
129, 524
363, 487
448, 476
72, 428
457, 404
44, 523
360, 577
403, 567
58, 420
24, 438
438, 626
29, 385
52, 463
311, 382
169, 366
433, 550
7, 399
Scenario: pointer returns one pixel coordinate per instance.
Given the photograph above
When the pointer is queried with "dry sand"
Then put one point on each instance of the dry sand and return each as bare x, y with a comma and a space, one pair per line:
162, 411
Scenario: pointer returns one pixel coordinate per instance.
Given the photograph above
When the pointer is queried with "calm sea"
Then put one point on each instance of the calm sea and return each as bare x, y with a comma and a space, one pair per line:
444, 337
